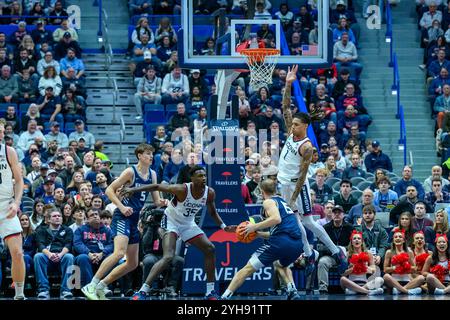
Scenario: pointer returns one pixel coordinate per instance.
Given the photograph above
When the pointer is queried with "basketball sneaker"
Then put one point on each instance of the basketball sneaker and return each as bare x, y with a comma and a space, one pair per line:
102, 293
311, 263
90, 292
349, 292
376, 292
341, 260
140, 295
212, 296
294, 295
415, 291
439, 292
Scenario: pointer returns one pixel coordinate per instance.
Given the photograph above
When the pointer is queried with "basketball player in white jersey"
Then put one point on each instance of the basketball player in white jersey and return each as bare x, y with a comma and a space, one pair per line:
293, 168
11, 190
178, 221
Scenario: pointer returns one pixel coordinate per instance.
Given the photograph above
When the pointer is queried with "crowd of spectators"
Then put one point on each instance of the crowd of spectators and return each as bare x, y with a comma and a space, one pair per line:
66, 173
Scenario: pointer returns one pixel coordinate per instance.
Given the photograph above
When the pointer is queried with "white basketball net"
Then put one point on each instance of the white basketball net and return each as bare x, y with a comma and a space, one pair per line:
261, 67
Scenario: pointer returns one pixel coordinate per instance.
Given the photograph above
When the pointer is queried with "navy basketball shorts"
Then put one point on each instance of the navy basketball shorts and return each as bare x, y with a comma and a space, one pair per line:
125, 226
284, 249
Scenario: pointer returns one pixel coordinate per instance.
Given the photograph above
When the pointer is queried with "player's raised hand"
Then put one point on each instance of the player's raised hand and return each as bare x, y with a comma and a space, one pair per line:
230, 228
292, 74
12, 210
126, 211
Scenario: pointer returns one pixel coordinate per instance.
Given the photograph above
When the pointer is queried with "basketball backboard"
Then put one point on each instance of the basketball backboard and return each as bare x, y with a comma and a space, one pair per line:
199, 27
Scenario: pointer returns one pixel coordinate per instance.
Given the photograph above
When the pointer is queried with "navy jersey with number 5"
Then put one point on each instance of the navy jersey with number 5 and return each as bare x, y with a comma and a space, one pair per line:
288, 225
137, 199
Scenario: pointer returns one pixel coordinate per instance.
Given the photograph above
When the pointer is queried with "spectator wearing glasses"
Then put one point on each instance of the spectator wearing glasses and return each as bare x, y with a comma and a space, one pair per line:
92, 243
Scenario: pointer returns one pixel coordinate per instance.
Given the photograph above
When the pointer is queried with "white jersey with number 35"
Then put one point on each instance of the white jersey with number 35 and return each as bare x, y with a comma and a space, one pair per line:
290, 159
184, 212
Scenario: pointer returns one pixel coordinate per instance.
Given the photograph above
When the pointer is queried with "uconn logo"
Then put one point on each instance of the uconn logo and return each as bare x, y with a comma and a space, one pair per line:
291, 148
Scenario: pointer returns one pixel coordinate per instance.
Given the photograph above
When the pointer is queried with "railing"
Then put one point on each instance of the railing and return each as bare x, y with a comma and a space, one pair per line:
115, 97
122, 137
402, 140
393, 63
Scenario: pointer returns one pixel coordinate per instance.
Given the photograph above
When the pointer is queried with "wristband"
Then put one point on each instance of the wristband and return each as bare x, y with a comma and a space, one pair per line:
223, 226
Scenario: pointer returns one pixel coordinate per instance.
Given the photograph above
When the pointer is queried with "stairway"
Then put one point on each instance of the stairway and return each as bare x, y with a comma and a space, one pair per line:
376, 85
101, 120
117, 22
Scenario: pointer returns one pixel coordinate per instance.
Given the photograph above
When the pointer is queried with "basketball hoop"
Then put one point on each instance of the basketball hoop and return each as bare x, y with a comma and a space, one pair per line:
261, 62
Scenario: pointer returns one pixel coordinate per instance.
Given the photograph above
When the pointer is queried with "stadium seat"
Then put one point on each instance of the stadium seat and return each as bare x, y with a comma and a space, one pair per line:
154, 116
69, 127
383, 217
331, 181
364, 185
23, 108
153, 107
3, 108
336, 186
356, 180
439, 206
171, 109
356, 193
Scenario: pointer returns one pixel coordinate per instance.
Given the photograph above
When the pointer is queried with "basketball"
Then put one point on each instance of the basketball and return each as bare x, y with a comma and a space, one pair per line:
240, 233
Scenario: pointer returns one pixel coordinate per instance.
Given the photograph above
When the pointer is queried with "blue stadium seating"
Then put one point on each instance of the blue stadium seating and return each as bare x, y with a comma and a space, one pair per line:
23, 108
69, 127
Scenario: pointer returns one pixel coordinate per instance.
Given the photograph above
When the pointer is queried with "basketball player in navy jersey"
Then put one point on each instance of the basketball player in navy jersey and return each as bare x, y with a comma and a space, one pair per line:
293, 168
124, 225
11, 190
284, 241
178, 221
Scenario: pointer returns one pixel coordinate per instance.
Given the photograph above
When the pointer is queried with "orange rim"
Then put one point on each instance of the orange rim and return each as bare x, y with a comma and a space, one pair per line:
258, 54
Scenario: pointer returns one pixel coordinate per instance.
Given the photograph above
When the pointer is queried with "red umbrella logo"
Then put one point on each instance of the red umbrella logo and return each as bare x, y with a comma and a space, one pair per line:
226, 174
222, 236
227, 149
226, 202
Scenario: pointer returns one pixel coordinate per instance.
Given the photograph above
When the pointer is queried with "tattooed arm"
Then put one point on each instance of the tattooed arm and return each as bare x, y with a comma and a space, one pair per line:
306, 150
286, 103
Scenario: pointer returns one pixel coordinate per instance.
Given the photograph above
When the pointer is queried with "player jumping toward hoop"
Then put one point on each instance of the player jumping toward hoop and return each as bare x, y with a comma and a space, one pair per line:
178, 221
284, 241
293, 168
124, 224
11, 190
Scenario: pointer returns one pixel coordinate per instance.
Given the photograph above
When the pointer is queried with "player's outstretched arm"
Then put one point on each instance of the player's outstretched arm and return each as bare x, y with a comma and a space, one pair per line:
286, 102
306, 151
211, 205
178, 190
271, 209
